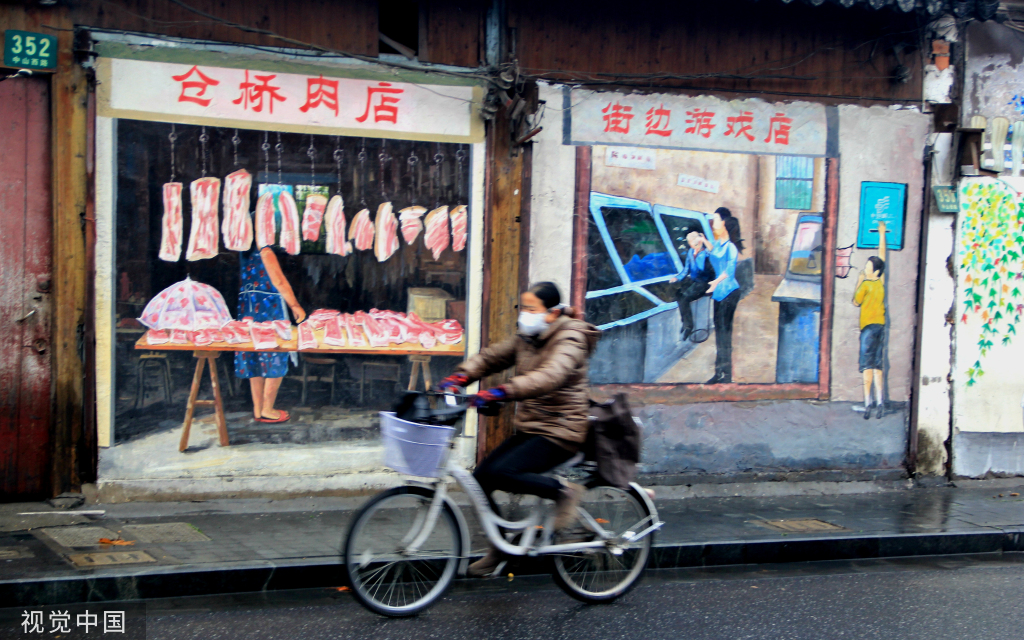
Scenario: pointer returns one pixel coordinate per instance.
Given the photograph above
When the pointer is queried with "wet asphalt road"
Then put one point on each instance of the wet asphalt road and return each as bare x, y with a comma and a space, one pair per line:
945, 598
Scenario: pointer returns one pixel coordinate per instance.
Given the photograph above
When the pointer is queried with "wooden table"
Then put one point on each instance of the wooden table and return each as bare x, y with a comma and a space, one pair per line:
418, 355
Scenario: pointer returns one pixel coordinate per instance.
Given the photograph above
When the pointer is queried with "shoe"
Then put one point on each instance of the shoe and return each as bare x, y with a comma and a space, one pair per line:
867, 411
685, 333
486, 565
879, 410
719, 378
565, 507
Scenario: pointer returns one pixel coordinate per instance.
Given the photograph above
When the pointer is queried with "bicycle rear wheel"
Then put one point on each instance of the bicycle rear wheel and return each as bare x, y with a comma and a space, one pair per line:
605, 573
387, 578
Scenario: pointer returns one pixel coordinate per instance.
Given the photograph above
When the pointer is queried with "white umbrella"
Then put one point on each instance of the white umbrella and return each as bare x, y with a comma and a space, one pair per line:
188, 306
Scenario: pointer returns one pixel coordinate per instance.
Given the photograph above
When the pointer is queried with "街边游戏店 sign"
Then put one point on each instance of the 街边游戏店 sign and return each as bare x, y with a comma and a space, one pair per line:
201, 93
695, 122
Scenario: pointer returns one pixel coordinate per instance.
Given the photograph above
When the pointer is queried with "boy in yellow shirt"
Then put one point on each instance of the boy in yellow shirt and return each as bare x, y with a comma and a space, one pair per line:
869, 295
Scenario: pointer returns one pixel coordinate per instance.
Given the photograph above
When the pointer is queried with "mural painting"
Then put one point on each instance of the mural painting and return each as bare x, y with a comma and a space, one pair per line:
989, 268
276, 289
753, 269
711, 279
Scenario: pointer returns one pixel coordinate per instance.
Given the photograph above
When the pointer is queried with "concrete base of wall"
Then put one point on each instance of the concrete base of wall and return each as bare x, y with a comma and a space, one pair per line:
981, 454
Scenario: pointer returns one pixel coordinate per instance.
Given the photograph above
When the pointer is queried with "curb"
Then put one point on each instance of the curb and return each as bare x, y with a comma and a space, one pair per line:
268, 576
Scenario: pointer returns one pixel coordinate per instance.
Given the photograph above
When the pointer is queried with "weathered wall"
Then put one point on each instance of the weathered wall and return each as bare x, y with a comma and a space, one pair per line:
551, 204
884, 145
992, 85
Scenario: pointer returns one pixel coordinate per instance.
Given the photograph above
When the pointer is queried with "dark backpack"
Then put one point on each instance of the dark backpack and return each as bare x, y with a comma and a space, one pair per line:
613, 441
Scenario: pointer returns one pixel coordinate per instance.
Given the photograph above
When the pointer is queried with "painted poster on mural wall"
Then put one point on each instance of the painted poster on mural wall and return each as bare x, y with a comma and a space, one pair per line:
314, 277
695, 122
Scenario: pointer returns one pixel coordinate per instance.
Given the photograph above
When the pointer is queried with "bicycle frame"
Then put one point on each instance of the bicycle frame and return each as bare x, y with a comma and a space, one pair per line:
491, 522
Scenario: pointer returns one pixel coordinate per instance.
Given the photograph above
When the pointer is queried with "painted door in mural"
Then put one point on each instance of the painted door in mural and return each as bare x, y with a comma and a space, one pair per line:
25, 211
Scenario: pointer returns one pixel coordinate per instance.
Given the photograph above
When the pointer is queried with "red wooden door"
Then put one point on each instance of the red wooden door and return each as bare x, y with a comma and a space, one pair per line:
25, 250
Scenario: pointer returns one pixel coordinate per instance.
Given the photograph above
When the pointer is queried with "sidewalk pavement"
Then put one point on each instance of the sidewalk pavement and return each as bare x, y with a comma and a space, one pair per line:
53, 556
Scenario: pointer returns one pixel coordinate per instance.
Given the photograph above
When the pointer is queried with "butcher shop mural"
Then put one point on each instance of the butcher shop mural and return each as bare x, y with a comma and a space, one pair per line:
277, 288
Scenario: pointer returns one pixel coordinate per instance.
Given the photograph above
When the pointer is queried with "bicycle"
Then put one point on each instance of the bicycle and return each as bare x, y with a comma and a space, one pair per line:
406, 544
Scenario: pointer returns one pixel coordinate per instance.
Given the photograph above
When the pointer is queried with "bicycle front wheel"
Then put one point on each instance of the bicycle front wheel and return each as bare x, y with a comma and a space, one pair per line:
386, 576
605, 573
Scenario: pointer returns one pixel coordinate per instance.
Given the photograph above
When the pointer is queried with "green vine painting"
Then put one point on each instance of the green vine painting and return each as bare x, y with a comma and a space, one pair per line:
991, 264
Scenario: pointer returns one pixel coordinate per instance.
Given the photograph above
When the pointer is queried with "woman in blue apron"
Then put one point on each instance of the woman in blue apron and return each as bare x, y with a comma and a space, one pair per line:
263, 296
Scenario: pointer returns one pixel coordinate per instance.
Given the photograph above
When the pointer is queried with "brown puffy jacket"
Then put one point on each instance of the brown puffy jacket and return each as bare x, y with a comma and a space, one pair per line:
551, 382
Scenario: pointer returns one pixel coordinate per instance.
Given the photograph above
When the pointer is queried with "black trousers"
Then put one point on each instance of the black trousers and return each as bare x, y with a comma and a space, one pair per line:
517, 464
725, 310
689, 290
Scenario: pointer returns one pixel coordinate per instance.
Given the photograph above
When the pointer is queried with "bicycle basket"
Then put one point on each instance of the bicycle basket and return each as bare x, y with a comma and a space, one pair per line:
412, 448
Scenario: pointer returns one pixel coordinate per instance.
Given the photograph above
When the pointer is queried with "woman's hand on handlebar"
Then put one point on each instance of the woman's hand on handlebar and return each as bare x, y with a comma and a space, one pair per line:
497, 394
454, 380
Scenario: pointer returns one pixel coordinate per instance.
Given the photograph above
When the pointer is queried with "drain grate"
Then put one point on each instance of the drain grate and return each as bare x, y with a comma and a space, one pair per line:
15, 553
86, 560
806, 525
78, 536
169, 532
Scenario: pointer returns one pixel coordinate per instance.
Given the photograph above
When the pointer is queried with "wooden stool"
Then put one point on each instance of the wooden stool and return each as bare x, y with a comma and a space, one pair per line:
217, 403
163, 367
418, 363
384, 371
308, 361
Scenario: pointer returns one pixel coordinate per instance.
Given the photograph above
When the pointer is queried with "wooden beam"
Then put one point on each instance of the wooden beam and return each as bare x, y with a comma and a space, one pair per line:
69, 106
828, 277
580, 223
502, 238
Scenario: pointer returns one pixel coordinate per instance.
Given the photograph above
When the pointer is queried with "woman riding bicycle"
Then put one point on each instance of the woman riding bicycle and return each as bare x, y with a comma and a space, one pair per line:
550, 353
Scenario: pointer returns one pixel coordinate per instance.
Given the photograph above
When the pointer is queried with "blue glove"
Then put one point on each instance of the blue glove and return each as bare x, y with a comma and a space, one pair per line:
497, 394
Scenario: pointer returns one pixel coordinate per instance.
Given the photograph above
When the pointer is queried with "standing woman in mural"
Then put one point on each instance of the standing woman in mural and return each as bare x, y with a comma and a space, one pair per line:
550, 352
724, 289
263, 295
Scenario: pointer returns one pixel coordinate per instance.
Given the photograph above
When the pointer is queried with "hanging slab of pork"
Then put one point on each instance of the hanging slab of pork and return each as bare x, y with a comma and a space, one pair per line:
459, 217
291, 230
362, 231
409, 220
386, 242
266, 226
436, 237
334, 223
237, 225
313, 216
171, 225
204, 239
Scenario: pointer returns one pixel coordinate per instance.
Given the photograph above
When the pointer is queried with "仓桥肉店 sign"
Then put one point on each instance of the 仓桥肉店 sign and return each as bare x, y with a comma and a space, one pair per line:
203, 94
695, 122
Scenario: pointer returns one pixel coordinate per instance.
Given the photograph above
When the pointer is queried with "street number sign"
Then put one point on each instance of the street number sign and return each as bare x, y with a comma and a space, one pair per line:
28, 50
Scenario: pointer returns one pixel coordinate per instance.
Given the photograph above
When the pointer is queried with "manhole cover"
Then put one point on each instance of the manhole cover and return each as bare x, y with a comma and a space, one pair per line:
86, 560
809, 525
79, 536
15, 553
164, 533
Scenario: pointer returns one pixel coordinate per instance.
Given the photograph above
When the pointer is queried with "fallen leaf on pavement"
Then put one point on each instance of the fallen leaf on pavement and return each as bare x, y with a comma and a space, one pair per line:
120, 543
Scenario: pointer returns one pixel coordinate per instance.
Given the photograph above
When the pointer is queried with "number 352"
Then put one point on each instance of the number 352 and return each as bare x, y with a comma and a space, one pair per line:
31, 46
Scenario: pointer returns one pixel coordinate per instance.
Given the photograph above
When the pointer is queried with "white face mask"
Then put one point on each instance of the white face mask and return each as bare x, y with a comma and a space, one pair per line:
532, 324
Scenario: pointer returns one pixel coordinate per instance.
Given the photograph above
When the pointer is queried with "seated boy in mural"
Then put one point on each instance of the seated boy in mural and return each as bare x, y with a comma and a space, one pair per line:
696, 274
869, 295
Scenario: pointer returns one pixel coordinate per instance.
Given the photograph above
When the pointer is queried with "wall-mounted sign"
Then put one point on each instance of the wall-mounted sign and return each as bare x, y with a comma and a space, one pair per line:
630, 158
700, 184
882, 202
945, 198
695, 122
221, 96
28, 50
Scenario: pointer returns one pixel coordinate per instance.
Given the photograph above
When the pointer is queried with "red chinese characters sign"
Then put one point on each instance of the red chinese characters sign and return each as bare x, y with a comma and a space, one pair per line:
751, 126
207, 93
